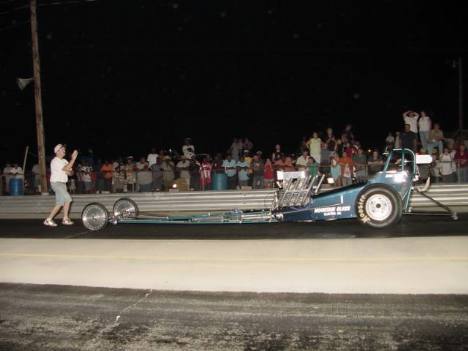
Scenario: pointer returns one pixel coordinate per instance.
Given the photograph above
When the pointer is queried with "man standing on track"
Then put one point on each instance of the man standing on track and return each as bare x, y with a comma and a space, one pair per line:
60, 170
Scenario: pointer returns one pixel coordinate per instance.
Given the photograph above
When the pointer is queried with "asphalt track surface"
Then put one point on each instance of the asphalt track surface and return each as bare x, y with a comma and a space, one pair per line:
411, 225
34, 317
53, 317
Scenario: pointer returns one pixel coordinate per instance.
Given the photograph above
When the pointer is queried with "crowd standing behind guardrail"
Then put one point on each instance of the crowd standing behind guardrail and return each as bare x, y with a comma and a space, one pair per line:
341, 159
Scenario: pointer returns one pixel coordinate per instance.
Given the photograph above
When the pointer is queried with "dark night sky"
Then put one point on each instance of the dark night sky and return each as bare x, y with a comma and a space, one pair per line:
122, 76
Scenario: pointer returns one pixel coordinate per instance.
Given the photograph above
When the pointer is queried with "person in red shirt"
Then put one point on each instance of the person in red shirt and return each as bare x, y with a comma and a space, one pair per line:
106, 171
461, 159
205, 173
347, 167
268, 174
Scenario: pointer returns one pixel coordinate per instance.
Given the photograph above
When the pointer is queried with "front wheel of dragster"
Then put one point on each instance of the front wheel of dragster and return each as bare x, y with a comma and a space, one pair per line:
379, 207
95, 216
125, 208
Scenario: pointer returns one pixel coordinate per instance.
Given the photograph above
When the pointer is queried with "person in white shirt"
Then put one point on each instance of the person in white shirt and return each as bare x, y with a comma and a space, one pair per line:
60, 170
315, 147
447, 166
183, 167
188, 150
301, 162
411, 118
425, 126
152, 157
16, 171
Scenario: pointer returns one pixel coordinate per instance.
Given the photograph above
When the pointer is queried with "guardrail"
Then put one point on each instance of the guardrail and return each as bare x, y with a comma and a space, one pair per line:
38, 206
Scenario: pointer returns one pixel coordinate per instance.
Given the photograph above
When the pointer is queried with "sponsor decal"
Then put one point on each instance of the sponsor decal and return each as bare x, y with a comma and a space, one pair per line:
332, 210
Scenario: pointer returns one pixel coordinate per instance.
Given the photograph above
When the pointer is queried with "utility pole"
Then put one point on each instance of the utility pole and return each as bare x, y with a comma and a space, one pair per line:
38, 97
460, 94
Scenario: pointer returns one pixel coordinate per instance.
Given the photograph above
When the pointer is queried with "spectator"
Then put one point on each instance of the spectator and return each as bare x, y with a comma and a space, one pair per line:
411, 118
217, 165
425, 126
16, 171
258, 172
461, 159
183, 169
335, 170
268, 174
235, 149
276, 154
330, 139
230, 168
302, 161
436, 139
312, 167
248, 160
144, 179
106, 171
349, 149
349, 133
242, 171
375, 163
408, 138
339, 148
389, 142
280, 164
118, 177
130, 175
167, 167
152, 157
157, 175
140, 165
360, 164
314, 145
206, 169
194, 169
447, 167
330, 145
347, 168
303, 146
288, 164
247, 145
188, 149
85, 172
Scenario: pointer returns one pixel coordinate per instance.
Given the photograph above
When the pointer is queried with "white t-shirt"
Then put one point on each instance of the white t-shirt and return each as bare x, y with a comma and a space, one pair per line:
152, 159
187, 152
413, 123
302, 161
446, 164
17, 171
424, 124
57, 174
314, 146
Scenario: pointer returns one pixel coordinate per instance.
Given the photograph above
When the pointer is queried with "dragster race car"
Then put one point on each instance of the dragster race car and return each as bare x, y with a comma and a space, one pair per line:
378, 202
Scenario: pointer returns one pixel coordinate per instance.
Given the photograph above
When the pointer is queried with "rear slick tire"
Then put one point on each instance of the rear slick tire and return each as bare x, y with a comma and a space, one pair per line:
379, 207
